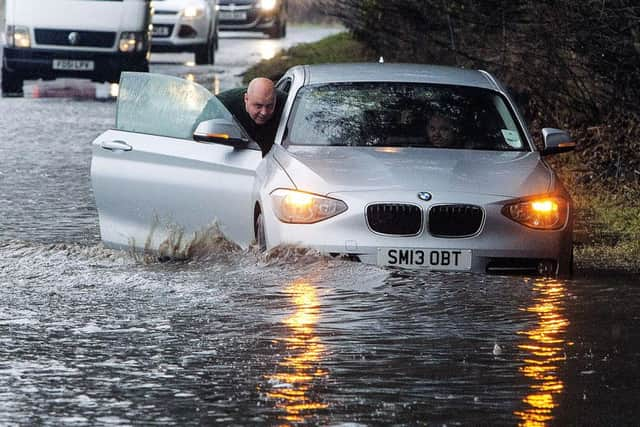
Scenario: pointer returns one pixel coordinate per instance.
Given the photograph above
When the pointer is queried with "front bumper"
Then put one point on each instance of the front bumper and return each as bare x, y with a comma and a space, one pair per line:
249, 18
38, 63
501, 246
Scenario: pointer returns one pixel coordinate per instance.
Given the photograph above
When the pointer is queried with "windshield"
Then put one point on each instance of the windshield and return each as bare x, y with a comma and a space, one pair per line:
403, 115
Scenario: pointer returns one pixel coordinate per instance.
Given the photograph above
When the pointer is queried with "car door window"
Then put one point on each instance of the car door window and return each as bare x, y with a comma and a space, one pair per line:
163, 105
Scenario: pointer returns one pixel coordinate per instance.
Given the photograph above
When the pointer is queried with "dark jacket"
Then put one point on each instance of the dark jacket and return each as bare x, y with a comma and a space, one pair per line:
265, 134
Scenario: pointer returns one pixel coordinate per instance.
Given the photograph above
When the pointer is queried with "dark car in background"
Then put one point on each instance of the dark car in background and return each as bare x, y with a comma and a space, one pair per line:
267, 16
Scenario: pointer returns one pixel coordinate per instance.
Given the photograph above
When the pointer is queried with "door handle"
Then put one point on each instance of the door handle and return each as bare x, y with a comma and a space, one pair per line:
115, 146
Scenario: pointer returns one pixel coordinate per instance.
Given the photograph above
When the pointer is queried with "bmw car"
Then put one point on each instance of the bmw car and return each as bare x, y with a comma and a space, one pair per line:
186, 26
400, 165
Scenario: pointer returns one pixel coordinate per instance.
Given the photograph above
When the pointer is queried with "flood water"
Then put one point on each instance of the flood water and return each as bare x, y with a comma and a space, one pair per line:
91, 336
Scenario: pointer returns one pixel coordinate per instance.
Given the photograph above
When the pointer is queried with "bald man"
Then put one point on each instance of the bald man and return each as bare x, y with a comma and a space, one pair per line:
258, 108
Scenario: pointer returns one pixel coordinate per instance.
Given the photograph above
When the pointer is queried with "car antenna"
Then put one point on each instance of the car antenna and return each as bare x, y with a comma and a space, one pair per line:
381, 60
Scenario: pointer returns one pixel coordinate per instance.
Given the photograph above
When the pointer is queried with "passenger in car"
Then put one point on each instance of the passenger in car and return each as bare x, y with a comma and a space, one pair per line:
258, 109
440, 131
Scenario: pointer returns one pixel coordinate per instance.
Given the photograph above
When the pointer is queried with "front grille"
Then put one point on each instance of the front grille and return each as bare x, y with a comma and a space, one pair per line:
79, 38
394, 218
224, 4
454, 220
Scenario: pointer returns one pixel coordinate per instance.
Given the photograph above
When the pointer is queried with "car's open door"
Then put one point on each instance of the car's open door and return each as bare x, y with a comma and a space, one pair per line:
151, 180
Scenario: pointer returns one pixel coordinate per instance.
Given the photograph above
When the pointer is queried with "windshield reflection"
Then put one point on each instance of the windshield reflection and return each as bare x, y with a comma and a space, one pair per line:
300, 368
545, 348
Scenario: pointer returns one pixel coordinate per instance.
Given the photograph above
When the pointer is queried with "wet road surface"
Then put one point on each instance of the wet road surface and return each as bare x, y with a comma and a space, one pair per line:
91, 336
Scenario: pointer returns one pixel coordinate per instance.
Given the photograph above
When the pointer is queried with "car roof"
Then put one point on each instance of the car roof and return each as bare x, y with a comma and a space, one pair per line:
394, 72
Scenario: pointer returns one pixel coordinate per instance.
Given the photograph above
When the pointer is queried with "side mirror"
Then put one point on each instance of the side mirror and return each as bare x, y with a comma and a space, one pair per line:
221, 131
556, 141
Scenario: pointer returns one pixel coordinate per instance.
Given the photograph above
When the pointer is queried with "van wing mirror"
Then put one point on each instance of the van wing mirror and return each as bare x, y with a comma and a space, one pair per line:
221, 131
556, 141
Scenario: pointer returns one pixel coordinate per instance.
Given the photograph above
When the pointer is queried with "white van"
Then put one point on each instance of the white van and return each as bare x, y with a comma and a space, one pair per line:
92, 39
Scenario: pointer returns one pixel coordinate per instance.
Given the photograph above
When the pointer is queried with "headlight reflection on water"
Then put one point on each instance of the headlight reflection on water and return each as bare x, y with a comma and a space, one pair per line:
545, 348
268, 49
300, 368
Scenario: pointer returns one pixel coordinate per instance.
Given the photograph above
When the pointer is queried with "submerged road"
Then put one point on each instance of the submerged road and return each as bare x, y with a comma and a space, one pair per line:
95, 337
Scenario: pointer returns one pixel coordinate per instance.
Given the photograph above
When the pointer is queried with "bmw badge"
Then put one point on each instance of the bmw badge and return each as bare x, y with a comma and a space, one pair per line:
424, 195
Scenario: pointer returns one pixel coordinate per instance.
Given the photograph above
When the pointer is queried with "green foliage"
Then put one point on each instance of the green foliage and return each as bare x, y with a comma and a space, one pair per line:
571, 56
337, 48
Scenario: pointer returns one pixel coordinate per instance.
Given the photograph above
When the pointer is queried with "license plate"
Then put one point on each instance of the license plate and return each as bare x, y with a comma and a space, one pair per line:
233, 16
436, 259
160, 31
72, 64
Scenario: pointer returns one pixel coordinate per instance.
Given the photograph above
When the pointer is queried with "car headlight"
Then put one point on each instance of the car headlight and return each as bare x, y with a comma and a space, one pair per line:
192, 12
18, 36
297, 207
543, 213
268, 4
131, 41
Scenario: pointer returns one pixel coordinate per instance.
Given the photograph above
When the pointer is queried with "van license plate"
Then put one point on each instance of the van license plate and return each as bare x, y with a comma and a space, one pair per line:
73, 64
436, 259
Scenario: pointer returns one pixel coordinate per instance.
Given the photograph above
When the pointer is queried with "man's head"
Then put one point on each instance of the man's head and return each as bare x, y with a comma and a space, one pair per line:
260, 100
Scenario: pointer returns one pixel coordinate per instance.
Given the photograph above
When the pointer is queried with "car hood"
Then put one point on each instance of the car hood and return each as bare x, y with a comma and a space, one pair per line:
327, 170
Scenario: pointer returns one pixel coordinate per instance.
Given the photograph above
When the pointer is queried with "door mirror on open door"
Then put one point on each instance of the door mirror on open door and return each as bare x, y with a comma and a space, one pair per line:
221, 131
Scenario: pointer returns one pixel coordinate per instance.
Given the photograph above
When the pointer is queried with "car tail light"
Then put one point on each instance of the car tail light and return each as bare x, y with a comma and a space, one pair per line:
298, 207
544, 213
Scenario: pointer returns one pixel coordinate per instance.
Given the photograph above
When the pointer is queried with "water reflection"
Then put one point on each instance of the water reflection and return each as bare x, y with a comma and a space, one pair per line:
545, 348
300, 369
268, 49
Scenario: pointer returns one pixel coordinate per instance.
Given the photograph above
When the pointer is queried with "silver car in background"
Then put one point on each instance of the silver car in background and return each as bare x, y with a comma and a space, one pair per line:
186, 26
355, 171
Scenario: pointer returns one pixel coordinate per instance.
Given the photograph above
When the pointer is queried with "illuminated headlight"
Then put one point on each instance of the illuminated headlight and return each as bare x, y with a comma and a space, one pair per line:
268, 4
18, 36
297, 207
131, 42
545, 213
192, 12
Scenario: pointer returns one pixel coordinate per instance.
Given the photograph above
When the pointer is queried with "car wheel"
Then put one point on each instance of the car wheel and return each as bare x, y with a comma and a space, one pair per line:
279, 29
261, 238
205, 54
11, 84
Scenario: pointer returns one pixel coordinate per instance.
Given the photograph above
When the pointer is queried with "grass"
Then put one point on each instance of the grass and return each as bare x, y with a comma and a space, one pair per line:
607, 228
607, 232
339, 47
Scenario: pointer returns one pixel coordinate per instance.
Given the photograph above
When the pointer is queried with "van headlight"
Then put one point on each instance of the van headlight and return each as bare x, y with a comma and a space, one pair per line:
18, 36
298, 207
131, 41
540, 213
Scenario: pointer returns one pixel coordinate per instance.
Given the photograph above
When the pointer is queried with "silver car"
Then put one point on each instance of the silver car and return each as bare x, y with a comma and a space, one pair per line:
186, 26
398, 165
